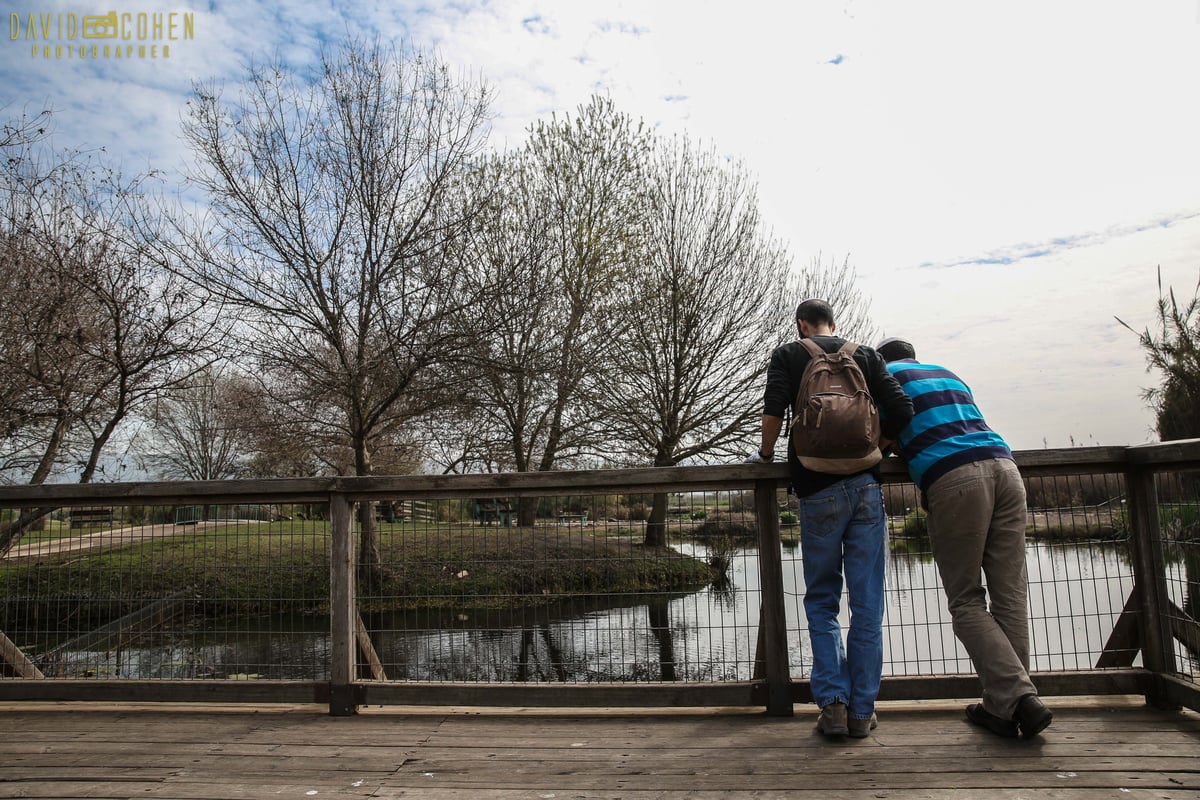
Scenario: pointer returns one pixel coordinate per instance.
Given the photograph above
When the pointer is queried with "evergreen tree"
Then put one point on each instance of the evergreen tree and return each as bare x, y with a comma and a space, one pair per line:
1174, 351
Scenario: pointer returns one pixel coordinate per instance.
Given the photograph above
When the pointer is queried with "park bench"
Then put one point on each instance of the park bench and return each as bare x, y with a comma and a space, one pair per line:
566, 518
90, 516
399, 511
495, 509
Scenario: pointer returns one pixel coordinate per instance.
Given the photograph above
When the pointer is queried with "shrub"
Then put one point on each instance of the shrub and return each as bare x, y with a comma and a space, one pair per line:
721, 550
916, 526
639, 512
741, 502
1179, 521
716, 528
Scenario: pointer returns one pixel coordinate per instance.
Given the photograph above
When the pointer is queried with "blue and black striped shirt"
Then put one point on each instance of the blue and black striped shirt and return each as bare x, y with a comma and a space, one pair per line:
947, 429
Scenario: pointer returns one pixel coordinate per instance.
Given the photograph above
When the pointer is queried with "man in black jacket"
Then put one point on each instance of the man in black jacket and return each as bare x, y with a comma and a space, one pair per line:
843, 530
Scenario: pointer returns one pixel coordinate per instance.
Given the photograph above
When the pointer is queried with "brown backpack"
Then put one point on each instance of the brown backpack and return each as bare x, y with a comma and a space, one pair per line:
835, 424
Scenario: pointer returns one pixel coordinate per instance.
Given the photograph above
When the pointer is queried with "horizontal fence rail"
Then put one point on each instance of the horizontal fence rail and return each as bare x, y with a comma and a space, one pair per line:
633, 587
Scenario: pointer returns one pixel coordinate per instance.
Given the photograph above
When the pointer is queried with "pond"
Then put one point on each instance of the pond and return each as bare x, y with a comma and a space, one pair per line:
1077, 591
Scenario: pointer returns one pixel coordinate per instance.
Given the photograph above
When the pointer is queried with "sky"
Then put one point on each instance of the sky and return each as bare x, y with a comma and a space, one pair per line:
1007, 179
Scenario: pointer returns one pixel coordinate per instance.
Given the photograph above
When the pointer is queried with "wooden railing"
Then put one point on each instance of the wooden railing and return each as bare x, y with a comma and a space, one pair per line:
1149, 625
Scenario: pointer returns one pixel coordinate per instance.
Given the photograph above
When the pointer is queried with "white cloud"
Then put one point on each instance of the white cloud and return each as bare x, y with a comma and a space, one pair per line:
1050, 138
1038, 340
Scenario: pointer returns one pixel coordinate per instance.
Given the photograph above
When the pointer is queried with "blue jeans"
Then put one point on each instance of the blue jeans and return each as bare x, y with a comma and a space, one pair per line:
843, 529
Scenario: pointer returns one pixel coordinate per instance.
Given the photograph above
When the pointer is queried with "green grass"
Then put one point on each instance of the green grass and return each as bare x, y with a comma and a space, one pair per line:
53, 529
265, 567
516, 566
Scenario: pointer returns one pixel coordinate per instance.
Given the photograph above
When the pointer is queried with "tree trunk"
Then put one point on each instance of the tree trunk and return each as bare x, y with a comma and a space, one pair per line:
370, 561
100, 441
656, 524
10, 534
527, 511
660, 625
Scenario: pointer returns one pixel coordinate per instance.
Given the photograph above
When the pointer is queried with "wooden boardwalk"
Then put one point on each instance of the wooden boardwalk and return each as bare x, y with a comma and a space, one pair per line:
1110, 747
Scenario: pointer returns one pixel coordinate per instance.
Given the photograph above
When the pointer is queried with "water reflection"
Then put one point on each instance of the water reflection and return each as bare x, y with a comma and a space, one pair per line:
1076, 593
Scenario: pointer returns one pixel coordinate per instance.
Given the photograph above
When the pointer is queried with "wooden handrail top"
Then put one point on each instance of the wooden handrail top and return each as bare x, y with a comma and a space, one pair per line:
316, 490
1033, 463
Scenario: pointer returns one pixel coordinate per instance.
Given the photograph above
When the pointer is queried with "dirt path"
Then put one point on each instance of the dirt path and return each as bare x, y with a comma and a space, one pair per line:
114, 537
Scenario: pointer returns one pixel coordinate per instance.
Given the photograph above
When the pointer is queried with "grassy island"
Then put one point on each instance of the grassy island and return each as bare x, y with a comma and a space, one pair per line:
284, 566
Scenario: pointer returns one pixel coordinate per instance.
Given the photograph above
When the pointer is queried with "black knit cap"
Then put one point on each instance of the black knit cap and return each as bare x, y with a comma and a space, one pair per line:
894, 348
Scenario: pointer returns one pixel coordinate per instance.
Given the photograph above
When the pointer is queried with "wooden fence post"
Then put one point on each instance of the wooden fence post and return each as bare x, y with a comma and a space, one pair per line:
11, 654
773, 620
343, 613
1149, 569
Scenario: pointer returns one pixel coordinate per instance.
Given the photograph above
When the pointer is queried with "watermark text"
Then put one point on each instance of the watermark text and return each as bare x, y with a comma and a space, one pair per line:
115, 35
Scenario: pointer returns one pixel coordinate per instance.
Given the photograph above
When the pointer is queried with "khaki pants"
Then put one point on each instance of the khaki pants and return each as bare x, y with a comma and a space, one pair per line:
976, 529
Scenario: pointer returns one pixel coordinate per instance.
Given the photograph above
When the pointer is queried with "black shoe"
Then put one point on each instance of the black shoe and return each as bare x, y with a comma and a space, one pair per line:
1032, 716
998, 725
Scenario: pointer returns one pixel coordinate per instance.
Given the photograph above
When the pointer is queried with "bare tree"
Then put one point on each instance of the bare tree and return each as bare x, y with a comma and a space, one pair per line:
686, 359
21, 131
551, 251
47, 330
155, 334
518, 333
101, 329
42, 326
588, 175
335, 203
200, 428
836, 283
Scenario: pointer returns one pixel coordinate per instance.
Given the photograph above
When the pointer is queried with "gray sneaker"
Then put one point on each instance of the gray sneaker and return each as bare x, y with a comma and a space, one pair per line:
833, 720
861, 728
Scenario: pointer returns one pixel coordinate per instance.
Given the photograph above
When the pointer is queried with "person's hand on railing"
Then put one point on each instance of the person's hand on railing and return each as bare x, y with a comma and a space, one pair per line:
759, 457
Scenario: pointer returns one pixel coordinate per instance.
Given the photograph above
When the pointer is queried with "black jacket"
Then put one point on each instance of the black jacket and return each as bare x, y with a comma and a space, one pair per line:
783, 382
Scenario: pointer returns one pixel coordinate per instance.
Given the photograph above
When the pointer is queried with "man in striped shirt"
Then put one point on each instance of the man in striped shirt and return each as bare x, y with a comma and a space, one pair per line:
975, 500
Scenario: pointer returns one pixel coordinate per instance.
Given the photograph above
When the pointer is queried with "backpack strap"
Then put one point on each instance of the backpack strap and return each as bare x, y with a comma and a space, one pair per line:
815, 350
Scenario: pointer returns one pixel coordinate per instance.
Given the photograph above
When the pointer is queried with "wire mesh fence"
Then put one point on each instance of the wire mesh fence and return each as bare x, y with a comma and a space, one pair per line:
568, 589
1079, 577
1179, 535
131, 593
582, 588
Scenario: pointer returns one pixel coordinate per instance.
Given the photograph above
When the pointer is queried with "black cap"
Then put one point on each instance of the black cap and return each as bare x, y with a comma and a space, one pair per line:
894, 348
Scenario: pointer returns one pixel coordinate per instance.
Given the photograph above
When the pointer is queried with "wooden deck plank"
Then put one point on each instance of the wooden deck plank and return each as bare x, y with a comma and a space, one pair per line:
594, 763
104, 791
806, 794
1110, 748
885, 751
